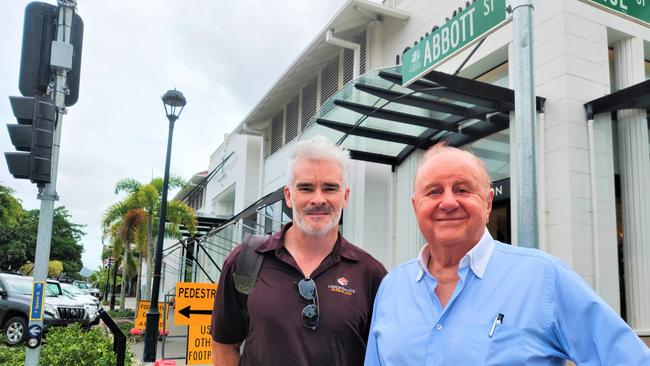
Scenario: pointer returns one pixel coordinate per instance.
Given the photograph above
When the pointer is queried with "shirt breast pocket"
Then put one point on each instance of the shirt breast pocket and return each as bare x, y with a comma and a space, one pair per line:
505, 347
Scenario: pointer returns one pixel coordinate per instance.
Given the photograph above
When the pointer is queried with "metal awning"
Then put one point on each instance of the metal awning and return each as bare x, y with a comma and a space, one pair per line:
380, 121
268, 199
633, 97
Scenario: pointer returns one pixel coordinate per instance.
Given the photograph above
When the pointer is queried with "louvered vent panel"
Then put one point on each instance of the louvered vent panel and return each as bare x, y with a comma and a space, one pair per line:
348, 65
362, 39
308, 102
329, 81
292, 119
276, 132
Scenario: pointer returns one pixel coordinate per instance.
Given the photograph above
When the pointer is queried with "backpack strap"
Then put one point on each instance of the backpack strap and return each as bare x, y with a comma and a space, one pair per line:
249, 263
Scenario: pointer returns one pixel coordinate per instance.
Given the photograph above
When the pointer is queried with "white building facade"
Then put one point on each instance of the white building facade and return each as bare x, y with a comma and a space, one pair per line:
592, 170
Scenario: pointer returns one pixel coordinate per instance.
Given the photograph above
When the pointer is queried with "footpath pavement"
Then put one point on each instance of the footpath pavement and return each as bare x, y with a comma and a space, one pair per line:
174, 347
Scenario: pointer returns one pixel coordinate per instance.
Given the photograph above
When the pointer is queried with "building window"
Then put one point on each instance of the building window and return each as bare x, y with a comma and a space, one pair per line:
308, 102
329, 81
277, 130
292, 119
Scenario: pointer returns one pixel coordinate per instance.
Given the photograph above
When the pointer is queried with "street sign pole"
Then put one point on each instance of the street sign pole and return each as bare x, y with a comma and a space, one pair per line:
527, 214
47, 193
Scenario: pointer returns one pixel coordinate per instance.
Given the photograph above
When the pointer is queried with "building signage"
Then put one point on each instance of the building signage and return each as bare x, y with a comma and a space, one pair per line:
36, 310
141, 315
475, 21
194, 302
636, 10
199, 345
501, 190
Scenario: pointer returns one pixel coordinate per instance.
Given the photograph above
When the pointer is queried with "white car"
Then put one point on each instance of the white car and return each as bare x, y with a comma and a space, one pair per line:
91, 303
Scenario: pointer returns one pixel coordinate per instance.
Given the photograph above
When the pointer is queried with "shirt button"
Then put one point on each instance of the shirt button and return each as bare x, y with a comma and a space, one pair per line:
438, 326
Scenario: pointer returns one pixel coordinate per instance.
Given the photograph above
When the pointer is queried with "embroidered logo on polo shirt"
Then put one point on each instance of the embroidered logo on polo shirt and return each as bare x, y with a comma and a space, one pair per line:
340, 288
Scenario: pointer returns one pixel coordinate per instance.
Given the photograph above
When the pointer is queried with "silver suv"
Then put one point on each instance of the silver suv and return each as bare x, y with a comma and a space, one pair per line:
15, 298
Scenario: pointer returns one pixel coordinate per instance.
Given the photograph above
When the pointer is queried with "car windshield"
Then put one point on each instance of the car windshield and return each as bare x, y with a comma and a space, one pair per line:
23, 286
82, 285
71, 290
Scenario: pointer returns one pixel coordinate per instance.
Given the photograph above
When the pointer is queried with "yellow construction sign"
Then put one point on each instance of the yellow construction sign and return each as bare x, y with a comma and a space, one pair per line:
141, 315
194, 302
199, 345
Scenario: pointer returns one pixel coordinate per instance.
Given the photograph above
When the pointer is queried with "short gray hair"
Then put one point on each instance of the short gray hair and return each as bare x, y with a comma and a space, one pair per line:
319, 148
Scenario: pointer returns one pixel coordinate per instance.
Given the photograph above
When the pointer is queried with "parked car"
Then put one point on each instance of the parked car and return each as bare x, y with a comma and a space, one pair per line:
88, 288
77, 294
15, 299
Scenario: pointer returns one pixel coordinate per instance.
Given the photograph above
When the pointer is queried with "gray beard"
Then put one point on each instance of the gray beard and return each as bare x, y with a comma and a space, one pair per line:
309, 231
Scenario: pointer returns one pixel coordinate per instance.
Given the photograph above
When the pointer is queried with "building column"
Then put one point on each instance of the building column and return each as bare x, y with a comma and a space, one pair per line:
634, 161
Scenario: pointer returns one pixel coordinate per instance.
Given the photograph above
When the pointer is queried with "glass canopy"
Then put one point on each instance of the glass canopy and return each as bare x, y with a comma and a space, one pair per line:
378, 120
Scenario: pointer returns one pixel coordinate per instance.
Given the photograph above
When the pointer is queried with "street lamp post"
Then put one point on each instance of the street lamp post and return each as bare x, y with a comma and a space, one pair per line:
108, 272
174, 102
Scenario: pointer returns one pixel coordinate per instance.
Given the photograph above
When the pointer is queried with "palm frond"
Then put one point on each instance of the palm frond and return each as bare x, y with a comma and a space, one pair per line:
129, 185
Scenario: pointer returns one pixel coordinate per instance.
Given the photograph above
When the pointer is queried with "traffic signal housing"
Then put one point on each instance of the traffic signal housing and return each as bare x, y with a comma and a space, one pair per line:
32, 137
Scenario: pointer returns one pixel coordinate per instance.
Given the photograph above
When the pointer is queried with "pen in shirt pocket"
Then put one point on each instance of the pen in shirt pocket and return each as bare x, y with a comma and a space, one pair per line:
497, 321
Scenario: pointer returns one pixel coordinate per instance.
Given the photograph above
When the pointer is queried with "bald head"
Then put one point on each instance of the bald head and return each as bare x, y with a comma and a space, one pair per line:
453, 156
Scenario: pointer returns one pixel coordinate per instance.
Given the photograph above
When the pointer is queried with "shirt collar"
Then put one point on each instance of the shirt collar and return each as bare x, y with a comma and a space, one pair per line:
342, 248
477, 258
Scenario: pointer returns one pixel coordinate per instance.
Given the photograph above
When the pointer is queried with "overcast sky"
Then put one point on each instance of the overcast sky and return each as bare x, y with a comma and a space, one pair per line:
223, 56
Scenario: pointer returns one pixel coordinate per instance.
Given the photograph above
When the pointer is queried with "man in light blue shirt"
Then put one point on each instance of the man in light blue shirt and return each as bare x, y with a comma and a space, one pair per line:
471, 300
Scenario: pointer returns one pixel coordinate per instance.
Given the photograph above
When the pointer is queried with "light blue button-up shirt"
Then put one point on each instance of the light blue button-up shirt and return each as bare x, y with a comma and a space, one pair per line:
549, 314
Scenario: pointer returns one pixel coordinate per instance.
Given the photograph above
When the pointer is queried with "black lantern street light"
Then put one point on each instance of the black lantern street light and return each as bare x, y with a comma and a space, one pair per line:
174, 102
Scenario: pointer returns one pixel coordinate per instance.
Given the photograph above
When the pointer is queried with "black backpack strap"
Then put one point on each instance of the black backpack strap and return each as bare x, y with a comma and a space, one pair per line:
249, 263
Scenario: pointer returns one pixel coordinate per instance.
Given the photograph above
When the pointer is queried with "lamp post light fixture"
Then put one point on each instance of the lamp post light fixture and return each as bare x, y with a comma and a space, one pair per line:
174, 102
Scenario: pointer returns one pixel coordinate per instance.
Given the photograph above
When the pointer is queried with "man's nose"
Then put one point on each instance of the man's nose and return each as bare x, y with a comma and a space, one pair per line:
317, 197
448, 201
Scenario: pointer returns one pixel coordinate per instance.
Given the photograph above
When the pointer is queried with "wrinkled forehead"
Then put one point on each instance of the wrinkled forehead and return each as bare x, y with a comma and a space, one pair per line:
327, 170
452, 164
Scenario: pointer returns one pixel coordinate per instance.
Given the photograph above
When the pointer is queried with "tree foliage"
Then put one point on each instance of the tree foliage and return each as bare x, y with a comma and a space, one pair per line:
18, 232
143, 202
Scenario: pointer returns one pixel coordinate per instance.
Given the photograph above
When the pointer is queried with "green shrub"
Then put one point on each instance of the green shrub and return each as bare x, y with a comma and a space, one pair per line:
125, 327
126, 313
108, 302
64, 344
11, 355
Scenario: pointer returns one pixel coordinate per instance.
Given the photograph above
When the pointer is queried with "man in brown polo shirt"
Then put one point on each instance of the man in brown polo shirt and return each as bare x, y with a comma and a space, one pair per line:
312, 302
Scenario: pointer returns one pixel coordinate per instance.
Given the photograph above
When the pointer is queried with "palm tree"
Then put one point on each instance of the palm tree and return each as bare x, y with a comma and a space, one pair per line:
123, 233
147, 198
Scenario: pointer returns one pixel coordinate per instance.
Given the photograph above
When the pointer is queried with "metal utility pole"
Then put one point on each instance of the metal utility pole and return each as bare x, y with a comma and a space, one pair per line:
47, 193
527, 215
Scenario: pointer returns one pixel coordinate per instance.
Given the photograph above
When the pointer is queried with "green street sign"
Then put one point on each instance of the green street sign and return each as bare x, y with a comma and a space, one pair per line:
635, 10
468, 26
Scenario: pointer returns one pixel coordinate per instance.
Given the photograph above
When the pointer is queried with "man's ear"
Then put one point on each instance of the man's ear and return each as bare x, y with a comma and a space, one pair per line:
488, 201
287, 196
346, 197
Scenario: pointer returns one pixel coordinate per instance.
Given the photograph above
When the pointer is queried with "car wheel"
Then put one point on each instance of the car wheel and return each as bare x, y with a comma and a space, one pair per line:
15, 330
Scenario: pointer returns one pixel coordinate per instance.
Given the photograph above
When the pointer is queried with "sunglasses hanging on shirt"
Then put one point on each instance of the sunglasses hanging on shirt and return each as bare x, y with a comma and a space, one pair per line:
307, 289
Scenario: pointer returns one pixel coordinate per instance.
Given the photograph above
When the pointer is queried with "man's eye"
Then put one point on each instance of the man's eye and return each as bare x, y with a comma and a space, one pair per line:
304, 189
435, 192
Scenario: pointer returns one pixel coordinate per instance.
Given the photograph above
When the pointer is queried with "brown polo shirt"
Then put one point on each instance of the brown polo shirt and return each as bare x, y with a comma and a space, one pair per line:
347, 281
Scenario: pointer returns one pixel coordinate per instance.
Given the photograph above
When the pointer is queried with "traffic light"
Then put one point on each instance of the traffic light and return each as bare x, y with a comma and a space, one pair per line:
32, 136
39, 30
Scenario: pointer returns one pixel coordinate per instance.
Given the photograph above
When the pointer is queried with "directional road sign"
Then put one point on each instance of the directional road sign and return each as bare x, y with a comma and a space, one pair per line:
36, 310
141, 316
199, 345
194, 302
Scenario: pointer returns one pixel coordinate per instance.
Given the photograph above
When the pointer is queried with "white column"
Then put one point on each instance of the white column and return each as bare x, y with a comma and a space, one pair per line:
634, 163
